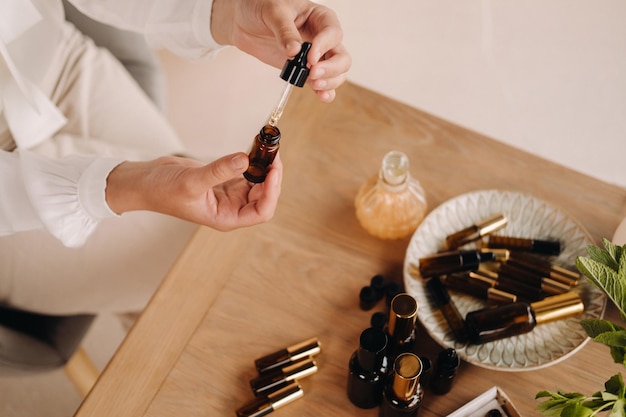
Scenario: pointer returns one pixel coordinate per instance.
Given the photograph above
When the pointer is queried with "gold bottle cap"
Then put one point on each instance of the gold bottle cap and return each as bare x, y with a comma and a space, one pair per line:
551, 286
300, 369
500, 254
407, 371
265, 404
500, 297
402, 314
491, 224
309, 347
285, 395
483, 275
557, 307
565, 275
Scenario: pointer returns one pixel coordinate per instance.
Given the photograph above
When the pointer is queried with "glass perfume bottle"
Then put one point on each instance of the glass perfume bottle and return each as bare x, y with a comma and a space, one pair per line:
368, 369
392, 204
403, 395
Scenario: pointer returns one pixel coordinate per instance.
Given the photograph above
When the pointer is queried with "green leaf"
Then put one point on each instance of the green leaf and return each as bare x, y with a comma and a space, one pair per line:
615, 385
606, 278
615, 339
576, 410
615, 251
606, 257
595, 327
618, 409
618, 354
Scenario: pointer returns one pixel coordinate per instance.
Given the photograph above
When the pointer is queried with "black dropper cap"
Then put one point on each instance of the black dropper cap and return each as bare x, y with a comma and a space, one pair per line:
295, 70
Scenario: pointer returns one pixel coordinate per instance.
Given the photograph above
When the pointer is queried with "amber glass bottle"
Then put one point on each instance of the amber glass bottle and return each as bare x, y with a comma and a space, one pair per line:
498, 322
401, 325
445, 371
264, 150
403, 395
392, 204
368, 369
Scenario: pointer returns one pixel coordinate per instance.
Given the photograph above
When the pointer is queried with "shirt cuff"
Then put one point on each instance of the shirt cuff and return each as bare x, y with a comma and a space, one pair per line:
92, 188
68, 194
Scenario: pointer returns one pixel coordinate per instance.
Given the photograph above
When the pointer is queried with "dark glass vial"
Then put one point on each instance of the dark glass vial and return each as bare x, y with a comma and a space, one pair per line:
401, 325
494, 323
455, 261
442, 300
445, 371
263, 152
403, 394
368, 369
543, 247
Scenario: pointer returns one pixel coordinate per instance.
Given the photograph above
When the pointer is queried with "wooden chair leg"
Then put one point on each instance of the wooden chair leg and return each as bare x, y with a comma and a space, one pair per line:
81, 371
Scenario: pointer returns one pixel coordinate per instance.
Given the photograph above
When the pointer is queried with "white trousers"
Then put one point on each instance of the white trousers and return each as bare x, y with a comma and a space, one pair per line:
125, 259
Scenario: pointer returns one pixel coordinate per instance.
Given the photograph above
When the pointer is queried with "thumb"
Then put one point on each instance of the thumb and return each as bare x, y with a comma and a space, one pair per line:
225, 168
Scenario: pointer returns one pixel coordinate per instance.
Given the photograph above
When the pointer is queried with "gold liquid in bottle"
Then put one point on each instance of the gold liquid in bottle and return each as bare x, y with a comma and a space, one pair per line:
392, 204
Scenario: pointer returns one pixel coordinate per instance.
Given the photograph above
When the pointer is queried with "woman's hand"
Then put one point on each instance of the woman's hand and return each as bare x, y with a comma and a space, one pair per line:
214, 195
273, 31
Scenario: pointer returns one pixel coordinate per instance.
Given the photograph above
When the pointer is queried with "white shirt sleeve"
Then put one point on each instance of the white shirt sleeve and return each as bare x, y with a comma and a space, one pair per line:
181, 26
37, 192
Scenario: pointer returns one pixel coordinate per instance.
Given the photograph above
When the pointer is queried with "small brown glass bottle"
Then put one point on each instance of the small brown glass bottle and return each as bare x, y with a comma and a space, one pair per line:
493, 323
403, 395
264, 150
445, 371
475, 231
454, 261
368, 369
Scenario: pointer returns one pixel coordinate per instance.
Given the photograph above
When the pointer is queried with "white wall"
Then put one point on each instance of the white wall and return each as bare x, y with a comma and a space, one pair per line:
547, 76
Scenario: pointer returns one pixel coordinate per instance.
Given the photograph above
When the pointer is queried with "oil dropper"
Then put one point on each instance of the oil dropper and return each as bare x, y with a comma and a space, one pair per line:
295, 72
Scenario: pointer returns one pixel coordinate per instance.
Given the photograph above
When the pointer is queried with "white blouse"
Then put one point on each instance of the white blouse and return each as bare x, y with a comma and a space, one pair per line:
67, 196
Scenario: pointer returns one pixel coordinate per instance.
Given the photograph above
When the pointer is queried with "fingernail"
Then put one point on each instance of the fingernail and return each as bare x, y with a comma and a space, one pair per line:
239, 161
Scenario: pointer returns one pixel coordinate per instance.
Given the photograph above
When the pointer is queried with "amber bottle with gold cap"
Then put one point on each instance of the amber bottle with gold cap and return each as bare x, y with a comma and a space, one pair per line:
401, 325
403, 395
498, 322
475, 231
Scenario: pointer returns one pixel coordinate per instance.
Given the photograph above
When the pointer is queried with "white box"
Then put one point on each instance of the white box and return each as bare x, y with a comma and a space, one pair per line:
494, 398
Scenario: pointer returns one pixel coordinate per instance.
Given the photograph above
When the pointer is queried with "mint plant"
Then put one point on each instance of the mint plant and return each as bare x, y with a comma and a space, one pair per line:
606, 269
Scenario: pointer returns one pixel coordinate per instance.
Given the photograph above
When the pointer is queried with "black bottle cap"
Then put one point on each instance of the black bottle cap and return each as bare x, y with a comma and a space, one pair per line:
378, 283
448, 361
367, 298
546, 247
372, 345
391, 290
378, 320
295, 70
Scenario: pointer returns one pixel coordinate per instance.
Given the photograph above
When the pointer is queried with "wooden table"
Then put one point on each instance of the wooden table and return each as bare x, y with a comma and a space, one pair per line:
233, 297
